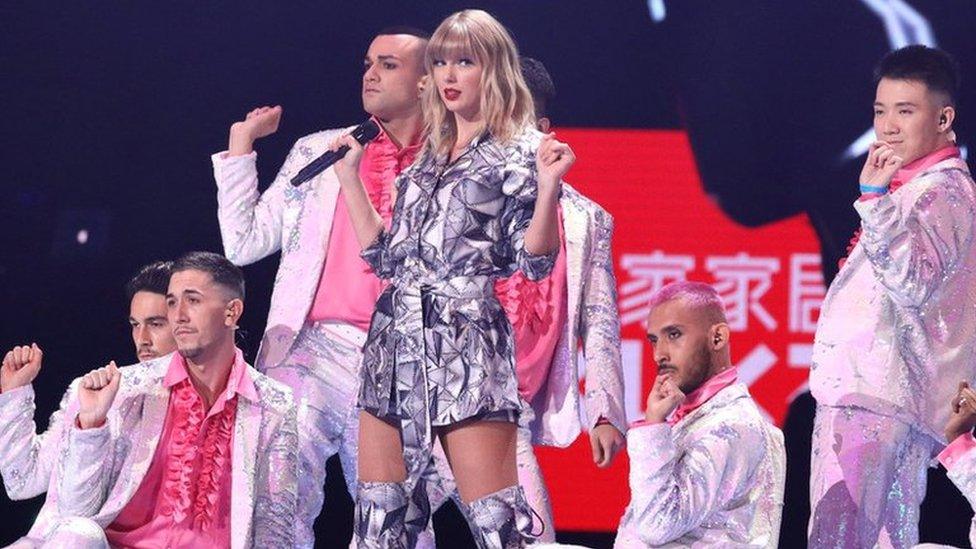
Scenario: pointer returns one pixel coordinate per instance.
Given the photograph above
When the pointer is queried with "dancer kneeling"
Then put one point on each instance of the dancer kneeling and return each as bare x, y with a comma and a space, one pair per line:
193, 449
706, 469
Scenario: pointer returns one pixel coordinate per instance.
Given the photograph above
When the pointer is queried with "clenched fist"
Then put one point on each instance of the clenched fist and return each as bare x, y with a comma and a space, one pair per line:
20, 367
96, 392
552, 160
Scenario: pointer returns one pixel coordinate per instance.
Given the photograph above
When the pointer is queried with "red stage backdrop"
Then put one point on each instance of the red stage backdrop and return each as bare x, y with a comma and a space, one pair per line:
667, 229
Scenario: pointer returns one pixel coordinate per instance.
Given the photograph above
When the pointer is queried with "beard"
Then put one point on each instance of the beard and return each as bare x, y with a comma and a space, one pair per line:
698, 373
191, 352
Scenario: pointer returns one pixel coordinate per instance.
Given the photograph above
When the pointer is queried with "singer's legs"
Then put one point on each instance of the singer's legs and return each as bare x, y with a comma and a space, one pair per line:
380, 450
482, 456
382, 501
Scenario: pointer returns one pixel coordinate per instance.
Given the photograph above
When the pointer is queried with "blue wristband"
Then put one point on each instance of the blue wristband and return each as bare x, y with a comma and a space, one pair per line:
876, 190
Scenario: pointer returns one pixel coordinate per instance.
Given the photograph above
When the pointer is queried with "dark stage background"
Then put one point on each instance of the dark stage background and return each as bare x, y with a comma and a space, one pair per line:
111, 110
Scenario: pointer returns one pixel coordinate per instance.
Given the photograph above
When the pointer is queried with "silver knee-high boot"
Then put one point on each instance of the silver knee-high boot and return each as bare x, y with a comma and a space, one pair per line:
381, 512
417, 516
502, 520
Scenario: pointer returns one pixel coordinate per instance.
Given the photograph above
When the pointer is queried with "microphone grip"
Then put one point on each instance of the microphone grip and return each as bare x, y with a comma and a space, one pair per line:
319, 165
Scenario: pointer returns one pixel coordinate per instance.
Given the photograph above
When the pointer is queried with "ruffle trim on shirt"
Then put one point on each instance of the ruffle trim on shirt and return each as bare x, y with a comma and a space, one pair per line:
216, 453
526, 302
181, 496
378, 178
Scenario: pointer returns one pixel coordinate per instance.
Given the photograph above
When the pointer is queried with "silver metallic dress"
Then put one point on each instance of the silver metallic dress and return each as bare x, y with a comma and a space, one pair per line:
439, 348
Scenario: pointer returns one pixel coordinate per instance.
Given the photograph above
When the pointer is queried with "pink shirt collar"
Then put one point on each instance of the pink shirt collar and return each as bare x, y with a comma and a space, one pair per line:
387, 142
917, 166
238, 381
701, 395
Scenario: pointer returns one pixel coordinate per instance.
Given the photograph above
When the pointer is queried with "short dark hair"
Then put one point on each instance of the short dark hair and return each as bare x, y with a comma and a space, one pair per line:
931, 66
540, 84
405, 29
153, 277
220, 269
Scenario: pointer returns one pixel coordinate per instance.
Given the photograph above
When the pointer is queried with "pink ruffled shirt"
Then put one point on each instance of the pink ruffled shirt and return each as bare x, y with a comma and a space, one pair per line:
537, 311
348, 289
185, 498
699, 396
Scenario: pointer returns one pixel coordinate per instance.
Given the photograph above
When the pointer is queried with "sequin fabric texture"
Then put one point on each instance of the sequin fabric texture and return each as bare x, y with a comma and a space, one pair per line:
897, 332
28, 459
714, 479
99, 470
294, 220
593, 326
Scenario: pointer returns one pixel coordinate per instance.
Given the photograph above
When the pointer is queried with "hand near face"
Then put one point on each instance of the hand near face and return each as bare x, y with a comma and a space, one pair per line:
881, 165
20, 366
664, 398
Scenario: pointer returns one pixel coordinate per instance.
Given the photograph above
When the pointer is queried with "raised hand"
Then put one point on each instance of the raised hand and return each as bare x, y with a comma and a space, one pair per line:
96, 392
261, 122
553, 159
20, 366
881, 166
664, 397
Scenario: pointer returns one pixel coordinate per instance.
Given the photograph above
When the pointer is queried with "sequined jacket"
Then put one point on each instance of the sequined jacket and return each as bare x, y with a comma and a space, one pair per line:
594, 321
715, 479
27, 458
897, 329
295, 220
97, 471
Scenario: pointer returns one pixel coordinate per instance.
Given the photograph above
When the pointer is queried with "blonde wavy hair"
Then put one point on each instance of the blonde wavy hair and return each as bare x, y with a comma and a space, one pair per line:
506, 103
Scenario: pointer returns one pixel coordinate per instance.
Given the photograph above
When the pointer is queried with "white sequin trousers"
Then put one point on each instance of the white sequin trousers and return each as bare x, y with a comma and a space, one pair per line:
867, 479
322, 369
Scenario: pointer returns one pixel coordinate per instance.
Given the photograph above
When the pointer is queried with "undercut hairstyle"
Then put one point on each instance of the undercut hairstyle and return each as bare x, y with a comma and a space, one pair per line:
224, 273
933, 67
540, 84
404, 29
153, 278
696, 295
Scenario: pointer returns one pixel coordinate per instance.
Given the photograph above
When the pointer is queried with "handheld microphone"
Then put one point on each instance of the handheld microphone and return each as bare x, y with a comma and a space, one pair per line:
364, 133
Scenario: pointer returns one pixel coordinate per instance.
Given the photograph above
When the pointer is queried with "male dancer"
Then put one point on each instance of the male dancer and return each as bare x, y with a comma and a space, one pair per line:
27, 459
706, 468
898, 325
193, 449
576, 302
324, 293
